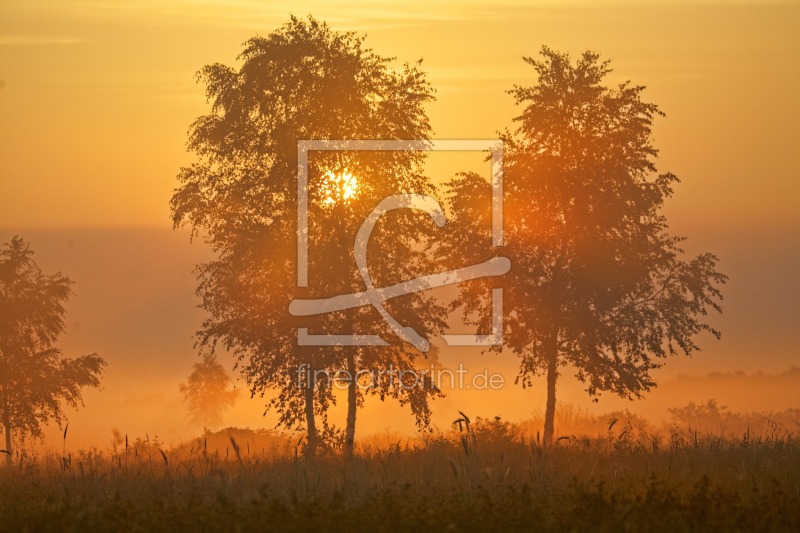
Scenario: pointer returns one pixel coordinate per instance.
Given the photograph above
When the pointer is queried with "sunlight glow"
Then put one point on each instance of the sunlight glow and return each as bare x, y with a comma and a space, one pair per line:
341, 187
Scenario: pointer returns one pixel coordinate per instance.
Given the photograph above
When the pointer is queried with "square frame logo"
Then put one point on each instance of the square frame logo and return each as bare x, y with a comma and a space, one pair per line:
493, 267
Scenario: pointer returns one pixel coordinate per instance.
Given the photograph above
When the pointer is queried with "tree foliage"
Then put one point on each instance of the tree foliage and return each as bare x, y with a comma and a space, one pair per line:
208, 392
597, 281
36, 380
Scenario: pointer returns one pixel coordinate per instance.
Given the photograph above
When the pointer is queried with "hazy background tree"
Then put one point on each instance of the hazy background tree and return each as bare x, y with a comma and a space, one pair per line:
36, 380
208, 392
304, 81
597, 281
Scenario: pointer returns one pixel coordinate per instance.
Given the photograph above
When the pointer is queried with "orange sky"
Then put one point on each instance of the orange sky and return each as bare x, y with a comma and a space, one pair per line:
96, 100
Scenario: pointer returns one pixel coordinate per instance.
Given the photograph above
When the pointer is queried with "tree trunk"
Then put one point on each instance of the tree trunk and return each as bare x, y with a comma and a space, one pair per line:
311, 423
352, 400
352, 397
552, 375
7, 427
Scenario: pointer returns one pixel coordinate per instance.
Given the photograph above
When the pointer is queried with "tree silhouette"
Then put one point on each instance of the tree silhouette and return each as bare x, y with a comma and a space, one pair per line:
207, 393
35, 378
304, 81
597, 282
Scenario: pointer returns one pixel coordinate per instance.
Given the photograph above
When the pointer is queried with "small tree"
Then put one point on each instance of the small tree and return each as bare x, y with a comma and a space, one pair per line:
35, 378
597, 282
208, 392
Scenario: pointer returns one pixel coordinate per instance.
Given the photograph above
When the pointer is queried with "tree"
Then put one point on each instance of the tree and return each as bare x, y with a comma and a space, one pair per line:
36, 380
207, 392
304, 81
597, 281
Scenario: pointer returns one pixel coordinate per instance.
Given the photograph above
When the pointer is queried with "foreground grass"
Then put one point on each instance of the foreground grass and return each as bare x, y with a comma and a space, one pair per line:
484, 481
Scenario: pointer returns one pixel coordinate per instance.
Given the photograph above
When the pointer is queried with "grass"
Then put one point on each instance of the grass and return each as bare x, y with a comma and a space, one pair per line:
484, 477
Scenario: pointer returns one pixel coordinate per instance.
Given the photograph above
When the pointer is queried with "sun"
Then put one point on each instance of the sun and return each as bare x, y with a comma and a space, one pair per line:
341, 187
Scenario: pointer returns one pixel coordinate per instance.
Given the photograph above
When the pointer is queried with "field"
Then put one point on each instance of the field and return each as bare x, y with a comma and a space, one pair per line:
485, 476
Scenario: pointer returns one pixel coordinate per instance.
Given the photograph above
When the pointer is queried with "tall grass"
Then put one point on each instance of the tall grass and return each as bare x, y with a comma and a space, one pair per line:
482, 475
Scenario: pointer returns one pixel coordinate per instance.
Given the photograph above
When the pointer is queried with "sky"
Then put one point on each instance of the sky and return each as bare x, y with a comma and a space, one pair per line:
96, 99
